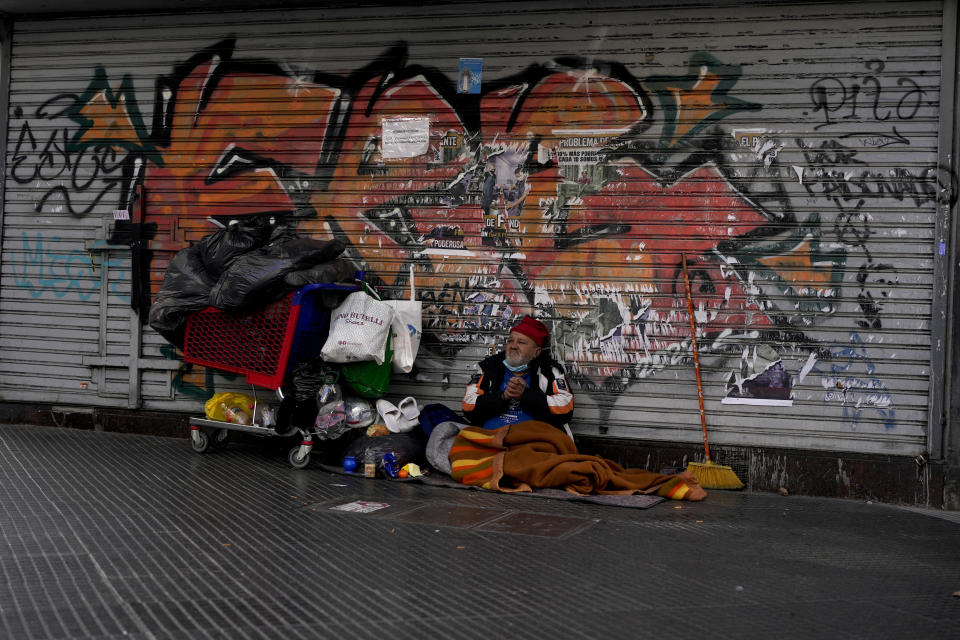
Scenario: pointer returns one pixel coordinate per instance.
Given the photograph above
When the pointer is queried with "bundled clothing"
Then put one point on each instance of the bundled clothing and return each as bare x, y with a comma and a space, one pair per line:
547, 397
531, 455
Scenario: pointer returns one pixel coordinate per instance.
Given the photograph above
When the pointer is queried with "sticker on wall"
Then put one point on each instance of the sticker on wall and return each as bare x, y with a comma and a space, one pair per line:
445, 240
578, 152
762, 380
451, 140
748, 137
580, 147
468, 79
406, 137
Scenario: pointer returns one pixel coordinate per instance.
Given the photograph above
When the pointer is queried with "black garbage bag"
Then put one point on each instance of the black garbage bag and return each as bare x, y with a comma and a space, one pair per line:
185, 289
193, 272
338, 270
257, 278
307, 252
299, 406
237, 268
219, 249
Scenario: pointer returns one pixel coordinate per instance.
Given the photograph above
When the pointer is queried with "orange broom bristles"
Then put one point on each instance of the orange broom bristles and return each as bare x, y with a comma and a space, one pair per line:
711, 475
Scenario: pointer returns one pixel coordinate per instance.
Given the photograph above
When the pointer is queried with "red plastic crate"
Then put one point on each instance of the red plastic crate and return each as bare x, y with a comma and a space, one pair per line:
256, 344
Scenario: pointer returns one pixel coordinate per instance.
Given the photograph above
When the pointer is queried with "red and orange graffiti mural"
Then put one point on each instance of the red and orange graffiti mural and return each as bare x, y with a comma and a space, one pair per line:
561, 191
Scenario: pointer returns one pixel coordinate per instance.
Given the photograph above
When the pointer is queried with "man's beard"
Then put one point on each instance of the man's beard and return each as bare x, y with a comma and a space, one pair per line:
517, 361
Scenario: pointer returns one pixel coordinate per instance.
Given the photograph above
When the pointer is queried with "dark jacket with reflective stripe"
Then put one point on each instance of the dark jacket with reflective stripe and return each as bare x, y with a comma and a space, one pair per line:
547, 398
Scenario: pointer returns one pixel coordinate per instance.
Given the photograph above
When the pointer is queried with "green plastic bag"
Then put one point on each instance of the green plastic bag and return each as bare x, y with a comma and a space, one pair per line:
367, 378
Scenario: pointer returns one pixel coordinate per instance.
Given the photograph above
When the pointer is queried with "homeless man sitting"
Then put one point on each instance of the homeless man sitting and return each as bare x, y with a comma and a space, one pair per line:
520, 404
520, 383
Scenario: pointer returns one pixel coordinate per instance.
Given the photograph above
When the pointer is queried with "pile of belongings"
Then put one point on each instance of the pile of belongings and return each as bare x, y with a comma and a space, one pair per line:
247, 264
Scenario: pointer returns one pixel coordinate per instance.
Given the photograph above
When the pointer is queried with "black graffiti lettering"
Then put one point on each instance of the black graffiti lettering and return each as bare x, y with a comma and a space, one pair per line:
838, 99
52, 151
853, 227
48, 163
899, 184
26, 135
828, 95
854, 94
64, 193
915, 95
830, 153
91, 169
904, 183
876, 99
835, 186
873, 279
838, 185
104, 162
71, 100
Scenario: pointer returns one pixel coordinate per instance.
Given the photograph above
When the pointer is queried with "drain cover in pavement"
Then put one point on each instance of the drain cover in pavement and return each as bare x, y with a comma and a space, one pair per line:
445, 515
536, 524
460, 517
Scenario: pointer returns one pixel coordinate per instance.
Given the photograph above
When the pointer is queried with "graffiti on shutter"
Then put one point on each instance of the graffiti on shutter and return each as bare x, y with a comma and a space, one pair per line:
571, 192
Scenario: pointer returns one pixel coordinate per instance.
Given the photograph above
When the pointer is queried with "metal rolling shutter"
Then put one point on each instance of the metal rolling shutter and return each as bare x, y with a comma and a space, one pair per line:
788, 148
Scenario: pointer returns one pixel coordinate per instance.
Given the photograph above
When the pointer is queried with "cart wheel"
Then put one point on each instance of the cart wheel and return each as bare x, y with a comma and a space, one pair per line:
220, 437
199, 441
296, 460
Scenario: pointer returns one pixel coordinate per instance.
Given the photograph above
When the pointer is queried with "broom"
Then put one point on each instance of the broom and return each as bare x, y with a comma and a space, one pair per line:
709, 474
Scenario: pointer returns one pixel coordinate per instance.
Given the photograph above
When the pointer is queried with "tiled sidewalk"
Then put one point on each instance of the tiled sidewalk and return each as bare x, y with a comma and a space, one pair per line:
127, 536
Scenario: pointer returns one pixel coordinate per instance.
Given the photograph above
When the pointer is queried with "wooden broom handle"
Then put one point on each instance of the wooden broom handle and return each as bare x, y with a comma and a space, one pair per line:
696, 357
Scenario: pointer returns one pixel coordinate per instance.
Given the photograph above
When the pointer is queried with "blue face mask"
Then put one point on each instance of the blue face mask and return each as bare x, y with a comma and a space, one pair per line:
517, 369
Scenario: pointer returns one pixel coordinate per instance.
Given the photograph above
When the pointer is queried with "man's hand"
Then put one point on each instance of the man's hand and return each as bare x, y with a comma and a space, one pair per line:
515, 388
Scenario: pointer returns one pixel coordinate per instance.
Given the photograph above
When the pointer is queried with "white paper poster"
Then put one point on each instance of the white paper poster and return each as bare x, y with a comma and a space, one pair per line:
581, 147
405, 137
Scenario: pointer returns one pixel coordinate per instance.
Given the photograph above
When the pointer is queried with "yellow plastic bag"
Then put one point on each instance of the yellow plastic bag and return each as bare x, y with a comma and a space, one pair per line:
230, 407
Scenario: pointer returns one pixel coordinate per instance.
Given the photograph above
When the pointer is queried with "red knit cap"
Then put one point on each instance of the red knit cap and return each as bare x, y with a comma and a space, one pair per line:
533, 329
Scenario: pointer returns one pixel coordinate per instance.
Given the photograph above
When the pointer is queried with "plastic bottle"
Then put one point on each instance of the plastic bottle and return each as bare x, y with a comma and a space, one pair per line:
329, 397
235, 415
331, 410
329, 391
268, 416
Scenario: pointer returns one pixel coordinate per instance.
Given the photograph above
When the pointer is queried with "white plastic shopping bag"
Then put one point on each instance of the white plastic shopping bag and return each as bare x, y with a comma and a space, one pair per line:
407, 327
359, 329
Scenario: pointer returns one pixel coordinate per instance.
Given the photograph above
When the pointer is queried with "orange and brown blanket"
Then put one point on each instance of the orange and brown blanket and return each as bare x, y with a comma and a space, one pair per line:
532, 455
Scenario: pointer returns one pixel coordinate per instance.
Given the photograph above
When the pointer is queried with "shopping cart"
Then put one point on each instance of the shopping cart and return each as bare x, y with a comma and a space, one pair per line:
264, 345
